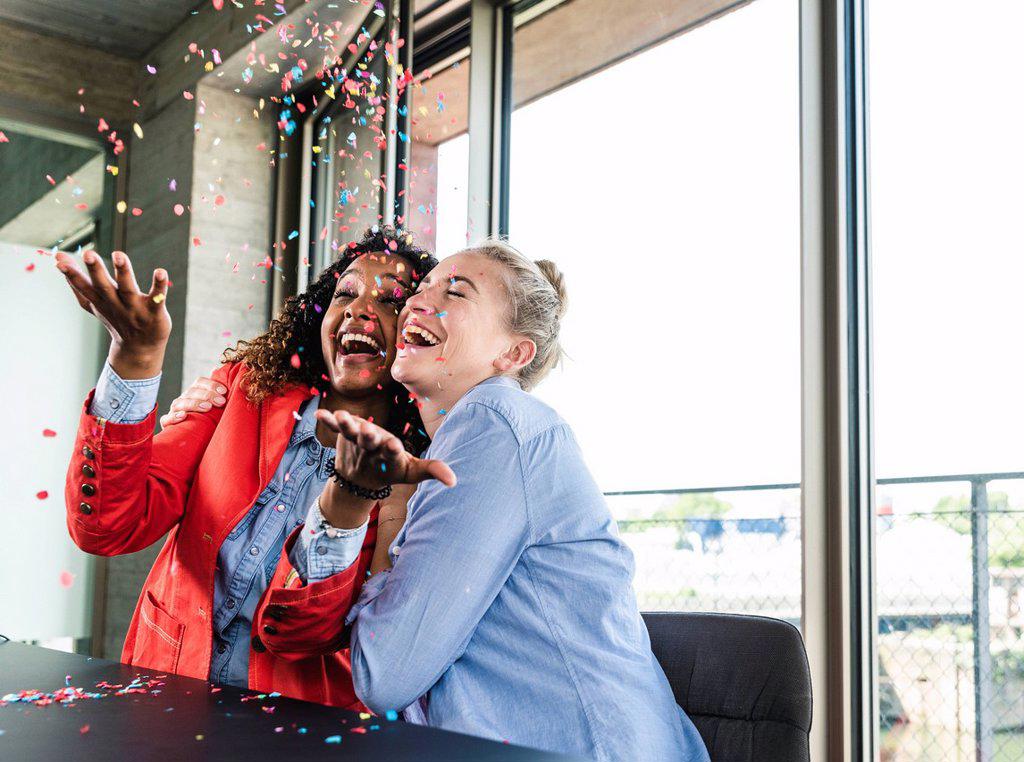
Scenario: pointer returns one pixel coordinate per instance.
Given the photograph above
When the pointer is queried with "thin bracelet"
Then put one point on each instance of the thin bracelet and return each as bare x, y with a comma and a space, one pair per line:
355, 489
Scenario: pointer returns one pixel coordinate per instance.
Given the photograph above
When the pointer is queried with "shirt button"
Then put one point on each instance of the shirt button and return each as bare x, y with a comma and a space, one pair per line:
115, 404
254, 551
310, 460
230, 603
397, 549
321, 550
279, 508
221, 648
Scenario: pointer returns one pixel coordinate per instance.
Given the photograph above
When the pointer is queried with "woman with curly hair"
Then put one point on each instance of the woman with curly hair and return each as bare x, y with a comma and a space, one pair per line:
259, 567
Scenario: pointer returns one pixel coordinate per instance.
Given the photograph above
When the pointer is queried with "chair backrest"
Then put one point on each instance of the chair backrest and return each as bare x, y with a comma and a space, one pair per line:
743, 680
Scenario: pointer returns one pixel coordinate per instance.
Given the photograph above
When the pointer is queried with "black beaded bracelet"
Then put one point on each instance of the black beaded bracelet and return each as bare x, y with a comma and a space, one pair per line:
355, 489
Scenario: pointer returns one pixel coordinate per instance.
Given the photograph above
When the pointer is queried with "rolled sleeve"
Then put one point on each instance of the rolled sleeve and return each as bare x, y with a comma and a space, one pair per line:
371, 589
321, 553
124, 401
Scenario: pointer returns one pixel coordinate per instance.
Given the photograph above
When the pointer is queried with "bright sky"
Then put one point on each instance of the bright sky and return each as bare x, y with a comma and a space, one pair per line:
675, 216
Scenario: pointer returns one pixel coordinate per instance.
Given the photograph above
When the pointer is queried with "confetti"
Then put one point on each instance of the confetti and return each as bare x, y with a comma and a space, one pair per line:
179, 209
159, 298
121, 207
49, 433
42, 494
138, 130
67, 579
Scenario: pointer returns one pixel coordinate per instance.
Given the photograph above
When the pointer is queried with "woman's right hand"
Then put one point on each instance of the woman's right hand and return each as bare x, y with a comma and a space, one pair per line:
138, 323
204, 395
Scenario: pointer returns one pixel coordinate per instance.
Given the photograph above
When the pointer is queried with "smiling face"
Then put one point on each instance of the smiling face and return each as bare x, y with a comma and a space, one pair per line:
360, 325
454, 330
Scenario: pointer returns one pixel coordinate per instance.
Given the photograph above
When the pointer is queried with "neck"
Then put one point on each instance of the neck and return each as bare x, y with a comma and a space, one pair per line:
373, 407
438, 399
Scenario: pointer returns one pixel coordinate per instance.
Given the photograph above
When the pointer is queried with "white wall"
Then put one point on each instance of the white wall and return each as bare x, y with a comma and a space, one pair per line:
49, 349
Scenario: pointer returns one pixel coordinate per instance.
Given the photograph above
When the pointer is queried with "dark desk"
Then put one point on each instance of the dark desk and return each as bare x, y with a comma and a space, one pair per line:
171, 717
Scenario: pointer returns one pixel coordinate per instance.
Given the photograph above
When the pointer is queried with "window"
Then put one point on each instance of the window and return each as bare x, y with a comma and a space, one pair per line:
438, 200
666, 187
946, 156
60, 197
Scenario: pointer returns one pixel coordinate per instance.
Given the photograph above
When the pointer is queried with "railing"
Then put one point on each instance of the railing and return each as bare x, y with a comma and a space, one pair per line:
932, 704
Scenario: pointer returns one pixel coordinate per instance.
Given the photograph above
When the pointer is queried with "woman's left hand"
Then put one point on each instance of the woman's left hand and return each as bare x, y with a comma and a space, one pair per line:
372, 458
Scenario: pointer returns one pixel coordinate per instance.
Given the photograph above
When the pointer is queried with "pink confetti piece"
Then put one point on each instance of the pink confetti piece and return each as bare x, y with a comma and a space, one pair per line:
42, 494
67, 579
49, 433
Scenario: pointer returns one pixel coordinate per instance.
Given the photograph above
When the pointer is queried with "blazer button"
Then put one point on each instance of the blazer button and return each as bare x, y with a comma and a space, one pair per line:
274, 612
270, 629
85, 508
88, 490
88, 453
89, 471
257, 644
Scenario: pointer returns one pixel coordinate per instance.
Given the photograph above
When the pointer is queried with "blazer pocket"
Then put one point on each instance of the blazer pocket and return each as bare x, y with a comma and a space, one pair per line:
158, 641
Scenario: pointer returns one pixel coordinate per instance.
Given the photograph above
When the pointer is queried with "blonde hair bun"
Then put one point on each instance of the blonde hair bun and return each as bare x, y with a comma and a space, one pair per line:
554, 276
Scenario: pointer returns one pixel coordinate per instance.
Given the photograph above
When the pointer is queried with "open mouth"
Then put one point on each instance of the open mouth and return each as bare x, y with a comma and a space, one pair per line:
418, 336
358, 347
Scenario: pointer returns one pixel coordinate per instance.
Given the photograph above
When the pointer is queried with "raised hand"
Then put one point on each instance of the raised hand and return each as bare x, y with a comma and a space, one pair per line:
138, 323
204, 395
372, 457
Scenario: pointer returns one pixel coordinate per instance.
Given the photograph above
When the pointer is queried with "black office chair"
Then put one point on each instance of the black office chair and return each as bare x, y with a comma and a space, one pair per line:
743, 680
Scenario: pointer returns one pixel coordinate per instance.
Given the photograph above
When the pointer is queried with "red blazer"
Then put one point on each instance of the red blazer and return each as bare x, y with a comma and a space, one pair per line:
127, 488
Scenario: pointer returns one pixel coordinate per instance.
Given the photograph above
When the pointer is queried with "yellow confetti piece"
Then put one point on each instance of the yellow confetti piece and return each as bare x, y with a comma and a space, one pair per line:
112, 169
159, 298
121, 206
329, 91
365, 715
138, 130
209, 66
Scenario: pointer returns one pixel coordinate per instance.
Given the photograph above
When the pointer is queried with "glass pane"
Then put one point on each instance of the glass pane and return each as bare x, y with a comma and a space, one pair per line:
946, 158
349, 142
438, 187
53, 195
676, 223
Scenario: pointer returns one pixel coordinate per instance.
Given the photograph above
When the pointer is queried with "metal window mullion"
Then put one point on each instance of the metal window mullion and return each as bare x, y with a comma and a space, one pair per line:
489, 107
835, 378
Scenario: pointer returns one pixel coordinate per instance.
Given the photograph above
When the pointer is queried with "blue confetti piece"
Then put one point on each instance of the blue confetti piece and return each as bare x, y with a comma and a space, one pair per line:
332, 739
442, 313
293, 234
442, 411
391, 714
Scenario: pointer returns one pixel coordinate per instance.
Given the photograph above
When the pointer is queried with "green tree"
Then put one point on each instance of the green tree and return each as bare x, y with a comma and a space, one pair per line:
1005, 527
700, 505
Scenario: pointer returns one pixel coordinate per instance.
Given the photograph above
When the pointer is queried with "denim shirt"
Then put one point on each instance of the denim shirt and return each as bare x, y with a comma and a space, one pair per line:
509, 612
248, 557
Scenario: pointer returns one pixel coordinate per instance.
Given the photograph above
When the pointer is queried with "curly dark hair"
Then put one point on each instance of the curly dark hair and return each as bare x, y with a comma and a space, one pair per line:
296, 332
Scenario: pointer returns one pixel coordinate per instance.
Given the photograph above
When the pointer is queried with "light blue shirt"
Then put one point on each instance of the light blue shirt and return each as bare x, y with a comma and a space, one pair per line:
248, 557
509, 612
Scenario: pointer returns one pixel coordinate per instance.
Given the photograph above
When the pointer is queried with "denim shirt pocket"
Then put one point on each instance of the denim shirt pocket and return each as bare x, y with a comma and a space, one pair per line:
269, 494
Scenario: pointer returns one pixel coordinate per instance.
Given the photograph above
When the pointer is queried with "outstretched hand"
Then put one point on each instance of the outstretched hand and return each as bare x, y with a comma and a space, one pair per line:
372, 457
138, 322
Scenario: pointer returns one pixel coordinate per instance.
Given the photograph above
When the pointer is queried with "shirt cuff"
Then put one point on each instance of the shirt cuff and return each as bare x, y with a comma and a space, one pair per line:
321, 551
371, 589
121, 401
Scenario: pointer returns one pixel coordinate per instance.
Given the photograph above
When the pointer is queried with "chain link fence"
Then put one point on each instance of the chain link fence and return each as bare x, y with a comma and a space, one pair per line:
949, 594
